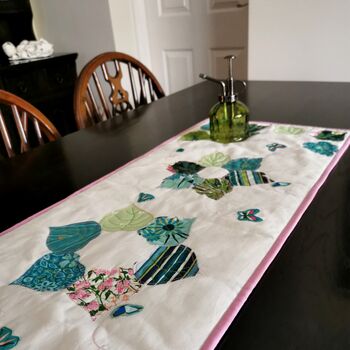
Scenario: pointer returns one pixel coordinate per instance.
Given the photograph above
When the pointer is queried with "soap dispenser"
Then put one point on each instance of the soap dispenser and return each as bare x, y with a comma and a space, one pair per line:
228, 117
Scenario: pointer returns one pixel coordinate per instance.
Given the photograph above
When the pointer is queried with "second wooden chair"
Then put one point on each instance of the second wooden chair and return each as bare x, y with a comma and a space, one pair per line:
22, 126
110, 84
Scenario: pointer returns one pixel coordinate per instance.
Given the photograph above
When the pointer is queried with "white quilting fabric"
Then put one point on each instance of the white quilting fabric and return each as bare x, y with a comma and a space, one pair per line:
180, 314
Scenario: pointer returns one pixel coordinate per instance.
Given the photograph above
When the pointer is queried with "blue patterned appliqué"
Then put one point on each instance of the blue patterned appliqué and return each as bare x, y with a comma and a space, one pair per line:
167, 231
272, 147
7, 340
52, 272
243, 164
322, 147
249, 215
143, 197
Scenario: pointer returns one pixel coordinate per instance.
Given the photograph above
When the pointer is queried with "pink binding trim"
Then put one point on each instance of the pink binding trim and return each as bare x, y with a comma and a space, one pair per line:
226, 320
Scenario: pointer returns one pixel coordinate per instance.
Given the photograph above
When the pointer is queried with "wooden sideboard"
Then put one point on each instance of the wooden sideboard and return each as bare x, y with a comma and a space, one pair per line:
46, 83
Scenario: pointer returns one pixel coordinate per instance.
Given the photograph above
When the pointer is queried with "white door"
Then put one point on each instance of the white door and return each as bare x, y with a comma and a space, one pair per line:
188, 37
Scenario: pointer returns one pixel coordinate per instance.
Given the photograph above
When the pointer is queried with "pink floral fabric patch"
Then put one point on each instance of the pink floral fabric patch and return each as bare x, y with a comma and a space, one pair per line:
100, 290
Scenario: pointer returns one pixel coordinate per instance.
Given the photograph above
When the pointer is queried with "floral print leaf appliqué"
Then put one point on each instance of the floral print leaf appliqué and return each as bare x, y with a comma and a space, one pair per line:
272, 147
52, 272
214, 188
249, 215
243, 164
323, 147
7, 340
144, 197
70, 238
130, 218
288, 130
167, 231
214, 159
167, 264
100, 290
331, 135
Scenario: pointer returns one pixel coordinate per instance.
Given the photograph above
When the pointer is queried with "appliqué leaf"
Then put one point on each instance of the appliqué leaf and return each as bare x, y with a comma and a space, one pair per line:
288, 130
143, 197
167, 264
167, 231
254, 129
52, 272
100, 290
322, 147
214, 188
205, 127
214, 159
184, 167
331, 135
243, 164
196, 136
70, 238
181, 181
126, 310
130, 218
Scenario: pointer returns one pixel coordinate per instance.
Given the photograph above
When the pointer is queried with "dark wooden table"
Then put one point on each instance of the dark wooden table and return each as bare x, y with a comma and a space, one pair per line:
303, 300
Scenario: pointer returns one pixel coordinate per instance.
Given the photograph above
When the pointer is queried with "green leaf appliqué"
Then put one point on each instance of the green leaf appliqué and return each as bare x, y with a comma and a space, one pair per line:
130, 218
195, 136
214, 188
214, 159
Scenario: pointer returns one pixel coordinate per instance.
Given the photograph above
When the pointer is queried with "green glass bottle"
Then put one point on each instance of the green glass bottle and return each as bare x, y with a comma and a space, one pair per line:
229, 117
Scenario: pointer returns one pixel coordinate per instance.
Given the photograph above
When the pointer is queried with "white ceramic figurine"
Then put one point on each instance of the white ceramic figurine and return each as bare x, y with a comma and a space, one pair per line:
28, 49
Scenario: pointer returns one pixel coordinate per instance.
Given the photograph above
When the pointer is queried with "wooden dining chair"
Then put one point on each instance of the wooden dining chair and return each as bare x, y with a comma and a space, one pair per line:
110, 84
22, 126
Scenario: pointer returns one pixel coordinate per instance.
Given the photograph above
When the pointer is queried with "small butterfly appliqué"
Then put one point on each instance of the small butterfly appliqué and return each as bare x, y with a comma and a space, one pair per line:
249, 215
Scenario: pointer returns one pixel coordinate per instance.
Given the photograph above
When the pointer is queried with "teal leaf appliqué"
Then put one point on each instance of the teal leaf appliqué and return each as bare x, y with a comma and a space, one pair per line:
143, 197
70, 238
243, 164
323, 147
181, 181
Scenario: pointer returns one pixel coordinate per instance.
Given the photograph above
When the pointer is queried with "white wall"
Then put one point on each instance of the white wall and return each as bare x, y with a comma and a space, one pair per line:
88, 27
123, 26
305, 40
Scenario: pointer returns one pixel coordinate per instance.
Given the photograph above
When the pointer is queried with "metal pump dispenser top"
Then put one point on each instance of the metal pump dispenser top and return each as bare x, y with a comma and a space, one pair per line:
229, 93
229, 117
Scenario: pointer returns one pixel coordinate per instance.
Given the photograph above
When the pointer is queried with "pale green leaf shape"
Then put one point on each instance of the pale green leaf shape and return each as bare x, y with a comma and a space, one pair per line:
130, 218
289, 130
214, 159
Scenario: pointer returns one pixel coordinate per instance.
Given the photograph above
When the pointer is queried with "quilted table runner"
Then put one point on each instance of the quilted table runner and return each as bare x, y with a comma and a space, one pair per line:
163, 252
